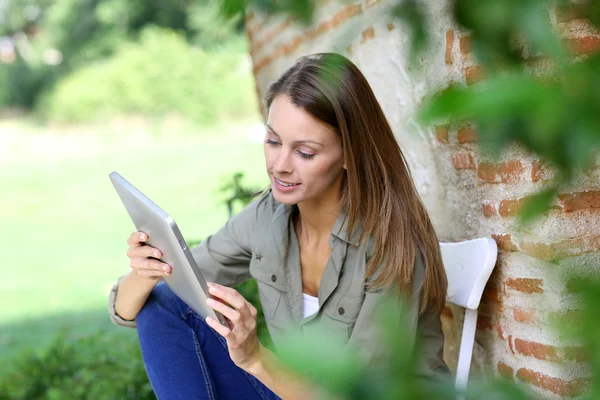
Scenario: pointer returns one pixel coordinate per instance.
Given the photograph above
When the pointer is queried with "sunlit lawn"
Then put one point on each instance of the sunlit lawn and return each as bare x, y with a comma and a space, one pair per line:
63, 228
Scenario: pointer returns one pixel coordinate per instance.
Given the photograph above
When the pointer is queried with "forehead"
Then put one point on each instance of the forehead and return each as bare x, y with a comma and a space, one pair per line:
291, 122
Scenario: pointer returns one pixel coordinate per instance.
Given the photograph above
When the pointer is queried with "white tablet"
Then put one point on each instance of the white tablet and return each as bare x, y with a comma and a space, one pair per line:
185, 279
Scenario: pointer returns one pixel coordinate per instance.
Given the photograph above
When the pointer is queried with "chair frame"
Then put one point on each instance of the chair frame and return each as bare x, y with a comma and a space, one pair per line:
468, 266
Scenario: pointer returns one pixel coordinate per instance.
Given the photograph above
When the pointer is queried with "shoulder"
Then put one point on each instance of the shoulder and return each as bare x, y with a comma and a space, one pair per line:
263, 207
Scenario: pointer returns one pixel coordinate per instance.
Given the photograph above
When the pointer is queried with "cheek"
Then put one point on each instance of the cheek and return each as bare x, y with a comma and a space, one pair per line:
269, 156
323, 173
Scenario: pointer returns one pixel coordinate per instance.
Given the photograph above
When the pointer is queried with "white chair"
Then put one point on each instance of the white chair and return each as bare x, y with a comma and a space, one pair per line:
468, 265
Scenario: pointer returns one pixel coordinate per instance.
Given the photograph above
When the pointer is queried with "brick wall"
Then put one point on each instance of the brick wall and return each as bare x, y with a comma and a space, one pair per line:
467, 194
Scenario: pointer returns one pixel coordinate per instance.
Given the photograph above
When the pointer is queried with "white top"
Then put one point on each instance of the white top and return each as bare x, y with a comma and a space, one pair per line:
311, 304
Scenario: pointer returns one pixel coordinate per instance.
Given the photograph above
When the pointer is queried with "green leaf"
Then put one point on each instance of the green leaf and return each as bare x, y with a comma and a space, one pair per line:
537, 205
322, 358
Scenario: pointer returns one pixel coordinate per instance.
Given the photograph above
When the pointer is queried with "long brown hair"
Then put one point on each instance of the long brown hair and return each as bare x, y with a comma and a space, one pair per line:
378, 190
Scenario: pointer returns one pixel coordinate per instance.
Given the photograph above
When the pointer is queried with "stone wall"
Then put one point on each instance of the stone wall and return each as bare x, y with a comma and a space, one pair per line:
467, 194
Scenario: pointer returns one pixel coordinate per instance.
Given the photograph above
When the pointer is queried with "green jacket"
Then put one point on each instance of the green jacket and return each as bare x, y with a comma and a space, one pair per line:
260, 242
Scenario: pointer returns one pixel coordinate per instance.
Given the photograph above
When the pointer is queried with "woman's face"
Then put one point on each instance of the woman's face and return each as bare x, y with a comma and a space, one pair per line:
304, 158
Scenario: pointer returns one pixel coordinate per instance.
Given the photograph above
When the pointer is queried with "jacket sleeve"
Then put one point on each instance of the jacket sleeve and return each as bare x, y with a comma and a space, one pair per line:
224, 257
424, 329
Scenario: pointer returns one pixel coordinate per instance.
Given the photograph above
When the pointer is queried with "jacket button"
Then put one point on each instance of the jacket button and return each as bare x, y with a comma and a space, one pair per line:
273, 278
341, 310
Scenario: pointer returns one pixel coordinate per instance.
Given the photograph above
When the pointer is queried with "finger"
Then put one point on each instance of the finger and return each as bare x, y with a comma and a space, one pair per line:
253, 310
233, 315
221, 329
143, 251
136, 238
231, 297
149, 264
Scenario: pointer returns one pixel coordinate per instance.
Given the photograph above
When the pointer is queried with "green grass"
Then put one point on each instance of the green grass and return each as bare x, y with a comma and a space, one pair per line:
64, 229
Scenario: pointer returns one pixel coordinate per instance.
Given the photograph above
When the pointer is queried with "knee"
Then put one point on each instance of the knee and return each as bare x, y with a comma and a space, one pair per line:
161, 300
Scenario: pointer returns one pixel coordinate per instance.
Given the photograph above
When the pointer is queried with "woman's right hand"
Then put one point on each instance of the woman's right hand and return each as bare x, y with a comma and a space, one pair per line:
144, 258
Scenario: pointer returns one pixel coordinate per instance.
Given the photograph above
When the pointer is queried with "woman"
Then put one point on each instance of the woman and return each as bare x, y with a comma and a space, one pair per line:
341, 226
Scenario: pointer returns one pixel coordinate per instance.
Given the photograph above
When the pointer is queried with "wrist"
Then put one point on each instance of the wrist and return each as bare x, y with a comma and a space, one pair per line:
256, 367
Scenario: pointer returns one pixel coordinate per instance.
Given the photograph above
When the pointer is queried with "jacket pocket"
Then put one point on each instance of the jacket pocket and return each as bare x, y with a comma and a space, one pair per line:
345, 309
271, 284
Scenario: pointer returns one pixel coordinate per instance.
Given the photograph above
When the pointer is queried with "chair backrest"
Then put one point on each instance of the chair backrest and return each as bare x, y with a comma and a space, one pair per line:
468, 266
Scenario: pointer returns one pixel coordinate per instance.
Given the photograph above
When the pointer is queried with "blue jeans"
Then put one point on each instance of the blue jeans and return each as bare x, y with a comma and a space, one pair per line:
187, 359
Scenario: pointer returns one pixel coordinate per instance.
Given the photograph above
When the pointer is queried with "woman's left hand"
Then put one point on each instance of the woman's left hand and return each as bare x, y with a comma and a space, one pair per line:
242, 340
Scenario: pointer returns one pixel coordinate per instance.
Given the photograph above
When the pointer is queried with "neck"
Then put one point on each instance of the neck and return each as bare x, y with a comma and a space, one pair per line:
316, 217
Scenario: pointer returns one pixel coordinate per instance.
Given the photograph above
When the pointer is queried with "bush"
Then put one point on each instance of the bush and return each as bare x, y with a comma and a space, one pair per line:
160, 75
98, 366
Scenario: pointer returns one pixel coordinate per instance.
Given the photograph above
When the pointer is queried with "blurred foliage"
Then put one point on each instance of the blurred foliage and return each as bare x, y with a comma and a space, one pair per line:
158, 75
98, 366
77, 33
236, 192
554, 116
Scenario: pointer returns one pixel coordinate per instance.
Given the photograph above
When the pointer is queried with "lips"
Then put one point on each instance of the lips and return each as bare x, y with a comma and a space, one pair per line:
284, 183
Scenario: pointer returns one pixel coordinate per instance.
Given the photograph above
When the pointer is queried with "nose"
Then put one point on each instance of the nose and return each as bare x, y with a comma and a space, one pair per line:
283, 164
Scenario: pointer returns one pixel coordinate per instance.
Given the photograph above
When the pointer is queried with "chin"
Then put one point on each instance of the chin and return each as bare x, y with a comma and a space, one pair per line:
286, 198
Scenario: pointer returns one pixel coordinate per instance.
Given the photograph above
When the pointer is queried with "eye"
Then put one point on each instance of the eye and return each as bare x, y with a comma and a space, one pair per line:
271, 142
307, 156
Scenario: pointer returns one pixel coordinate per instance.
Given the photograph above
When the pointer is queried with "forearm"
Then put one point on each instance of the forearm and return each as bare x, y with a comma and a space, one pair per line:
132, 293
280, 379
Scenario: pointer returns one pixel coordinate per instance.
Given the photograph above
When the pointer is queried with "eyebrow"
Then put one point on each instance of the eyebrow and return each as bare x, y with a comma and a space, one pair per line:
297, 141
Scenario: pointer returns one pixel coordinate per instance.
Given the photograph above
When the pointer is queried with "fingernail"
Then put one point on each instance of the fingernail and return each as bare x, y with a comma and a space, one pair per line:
143, 236
166, 268
209, 284
156, 254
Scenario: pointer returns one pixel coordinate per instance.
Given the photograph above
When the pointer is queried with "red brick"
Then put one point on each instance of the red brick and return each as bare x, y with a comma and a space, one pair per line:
311, 34
391, 26
558, 386
525, 285
441, 133
506, 172
510, 344
463, 160
500, 331
491, 303
271, 35
580, 200
526, 316
584, 45
466, 135
465, 45
538, 171
473, 74
449, 45
509, 208
488, 208
504, 241
484, 322
576, 353
538, 350
491, 293
505, 370
564, 248
367, 34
